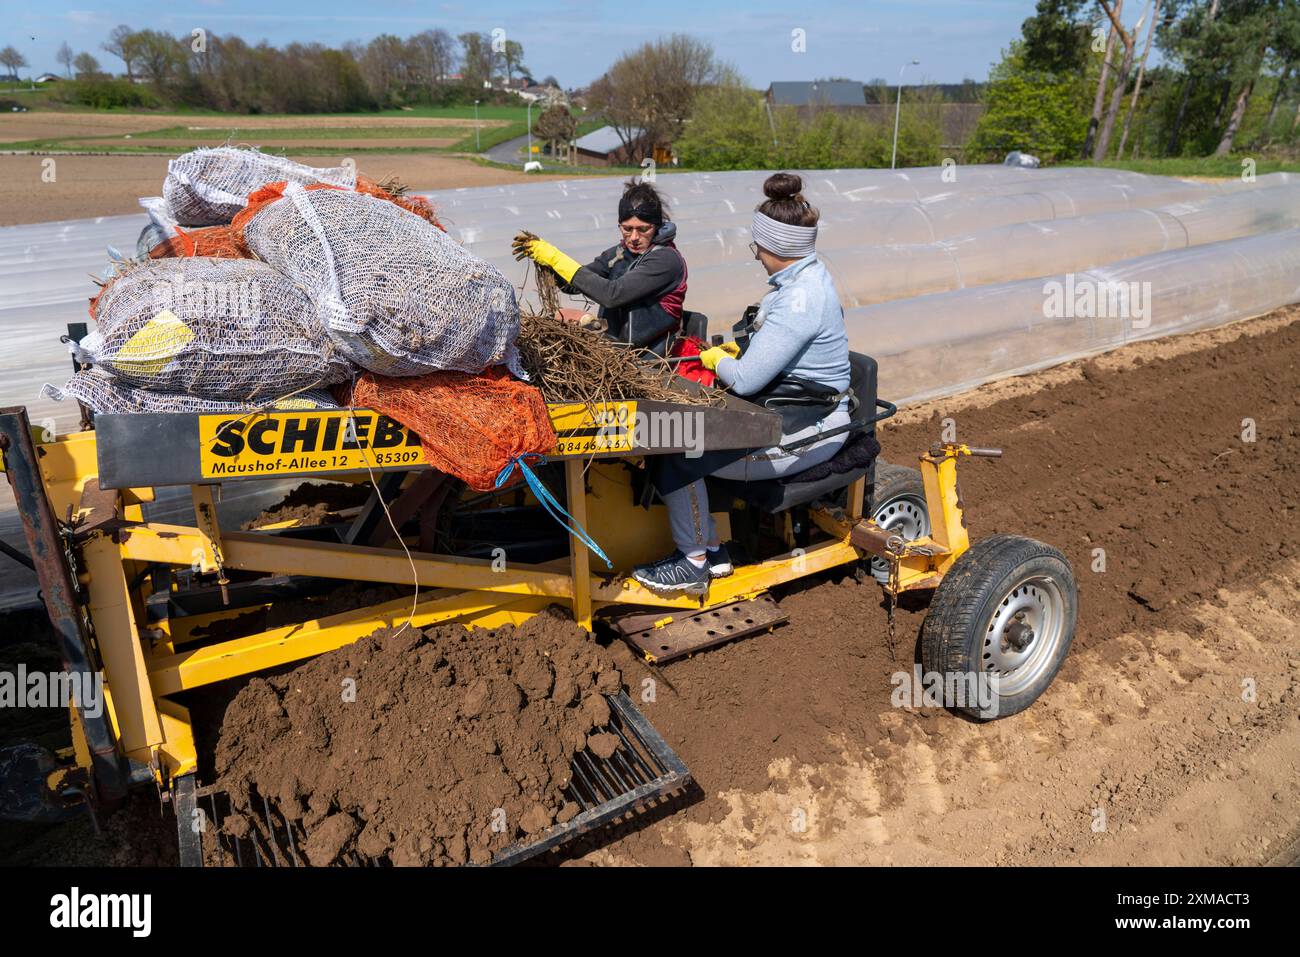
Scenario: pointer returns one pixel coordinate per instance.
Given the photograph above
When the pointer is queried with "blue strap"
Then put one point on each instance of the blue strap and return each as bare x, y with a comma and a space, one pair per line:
553, 508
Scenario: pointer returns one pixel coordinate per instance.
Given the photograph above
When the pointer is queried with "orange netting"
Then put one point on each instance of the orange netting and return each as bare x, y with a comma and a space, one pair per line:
273, 191
412, 204
219, 242
471, 426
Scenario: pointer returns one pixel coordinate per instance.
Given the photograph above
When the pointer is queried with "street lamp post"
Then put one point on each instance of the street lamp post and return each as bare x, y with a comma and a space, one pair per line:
478, 142
893, 162
530, 130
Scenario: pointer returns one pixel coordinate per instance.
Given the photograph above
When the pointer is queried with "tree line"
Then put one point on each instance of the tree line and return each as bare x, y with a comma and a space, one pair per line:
228, 74
1078, 83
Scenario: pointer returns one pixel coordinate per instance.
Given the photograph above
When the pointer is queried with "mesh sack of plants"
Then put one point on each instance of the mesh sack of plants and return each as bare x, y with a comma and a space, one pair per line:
231, 329
101, 392
396, 295
396, 193
214, 242
471, 425
207, 187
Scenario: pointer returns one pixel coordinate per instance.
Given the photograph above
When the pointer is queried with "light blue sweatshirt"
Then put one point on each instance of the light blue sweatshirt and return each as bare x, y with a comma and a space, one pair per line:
801, 333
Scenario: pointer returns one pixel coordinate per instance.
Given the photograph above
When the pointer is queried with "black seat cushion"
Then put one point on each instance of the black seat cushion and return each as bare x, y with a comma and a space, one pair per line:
852, 462
857, 453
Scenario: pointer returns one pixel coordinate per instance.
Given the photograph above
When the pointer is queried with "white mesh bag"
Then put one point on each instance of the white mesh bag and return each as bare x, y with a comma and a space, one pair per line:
102, 393
231, 329
397, 295
206, 187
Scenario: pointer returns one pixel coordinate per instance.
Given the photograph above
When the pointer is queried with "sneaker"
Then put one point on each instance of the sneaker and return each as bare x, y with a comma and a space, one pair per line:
674, 573
719, 561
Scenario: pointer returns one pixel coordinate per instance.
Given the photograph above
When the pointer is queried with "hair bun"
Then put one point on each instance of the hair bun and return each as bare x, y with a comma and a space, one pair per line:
783, 186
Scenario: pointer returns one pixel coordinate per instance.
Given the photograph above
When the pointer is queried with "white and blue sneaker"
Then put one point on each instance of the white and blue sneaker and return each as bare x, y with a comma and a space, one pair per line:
719, 561
676, 573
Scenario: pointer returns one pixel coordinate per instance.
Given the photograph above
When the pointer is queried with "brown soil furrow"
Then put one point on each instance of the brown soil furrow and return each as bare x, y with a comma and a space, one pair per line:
1142, 458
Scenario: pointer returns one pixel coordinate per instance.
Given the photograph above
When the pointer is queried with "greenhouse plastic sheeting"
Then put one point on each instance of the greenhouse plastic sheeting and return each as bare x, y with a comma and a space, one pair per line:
940, 344
953, 212
878, 238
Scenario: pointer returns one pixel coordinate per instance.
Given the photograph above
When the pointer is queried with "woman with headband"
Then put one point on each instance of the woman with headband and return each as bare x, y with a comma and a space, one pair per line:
639, 284
796, 363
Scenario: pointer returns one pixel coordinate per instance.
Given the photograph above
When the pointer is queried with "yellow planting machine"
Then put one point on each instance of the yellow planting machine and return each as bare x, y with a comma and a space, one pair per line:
135, 599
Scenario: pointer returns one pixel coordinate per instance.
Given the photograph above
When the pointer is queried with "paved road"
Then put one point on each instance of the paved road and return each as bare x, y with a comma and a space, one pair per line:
511, 152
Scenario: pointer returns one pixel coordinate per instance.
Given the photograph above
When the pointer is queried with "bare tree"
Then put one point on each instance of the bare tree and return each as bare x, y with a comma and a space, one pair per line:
85, 65
65, 56
11, 58
476, 61
431, 52
1129, 41
122, 44
383, 64
1099, 100
647, 94
157, 54
1137, 86
513, 57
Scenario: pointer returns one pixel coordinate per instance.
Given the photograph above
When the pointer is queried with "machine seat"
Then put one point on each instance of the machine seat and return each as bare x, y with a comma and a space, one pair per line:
855, 459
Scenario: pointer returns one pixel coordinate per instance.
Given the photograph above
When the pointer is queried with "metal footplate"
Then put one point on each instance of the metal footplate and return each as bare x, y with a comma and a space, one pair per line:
667, 636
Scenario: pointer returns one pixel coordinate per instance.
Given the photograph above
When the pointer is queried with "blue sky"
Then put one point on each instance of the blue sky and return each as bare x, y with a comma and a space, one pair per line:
576, 41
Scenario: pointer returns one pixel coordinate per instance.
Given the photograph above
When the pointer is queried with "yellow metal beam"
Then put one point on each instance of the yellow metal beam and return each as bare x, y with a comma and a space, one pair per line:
746, 581
943, 502
576, 487
119, 645
278, 646
249, 551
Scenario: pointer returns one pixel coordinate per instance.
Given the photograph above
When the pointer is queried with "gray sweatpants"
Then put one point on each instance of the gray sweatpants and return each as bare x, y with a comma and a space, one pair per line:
688, 507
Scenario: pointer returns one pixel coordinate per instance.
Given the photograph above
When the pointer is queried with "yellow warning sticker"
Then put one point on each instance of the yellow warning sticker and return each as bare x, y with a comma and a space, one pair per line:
583, 430
291, 443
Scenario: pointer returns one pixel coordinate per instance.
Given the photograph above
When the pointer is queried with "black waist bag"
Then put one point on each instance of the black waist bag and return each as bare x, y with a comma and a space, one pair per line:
800, 402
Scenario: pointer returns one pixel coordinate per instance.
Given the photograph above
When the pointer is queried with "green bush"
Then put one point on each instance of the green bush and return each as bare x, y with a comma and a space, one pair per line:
108, 94
732, 128
1033, 111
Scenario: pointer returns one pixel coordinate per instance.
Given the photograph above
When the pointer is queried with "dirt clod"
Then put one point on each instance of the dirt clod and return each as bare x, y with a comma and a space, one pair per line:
434, 747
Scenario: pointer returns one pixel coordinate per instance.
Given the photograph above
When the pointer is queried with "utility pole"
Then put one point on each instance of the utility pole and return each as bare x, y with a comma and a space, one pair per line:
898, 110
478, 142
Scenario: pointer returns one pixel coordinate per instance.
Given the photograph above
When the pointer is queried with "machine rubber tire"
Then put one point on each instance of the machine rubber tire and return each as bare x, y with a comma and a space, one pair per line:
973, 625
897, 487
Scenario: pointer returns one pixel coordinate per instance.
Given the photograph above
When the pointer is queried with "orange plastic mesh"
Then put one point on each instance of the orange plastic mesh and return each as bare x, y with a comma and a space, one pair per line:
218, 242
412, 204
471, 426
272, 191
261, 198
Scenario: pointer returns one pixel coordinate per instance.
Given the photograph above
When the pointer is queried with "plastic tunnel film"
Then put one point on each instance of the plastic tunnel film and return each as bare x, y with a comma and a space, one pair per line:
940, 344
1023, 250
945, 215
695, 196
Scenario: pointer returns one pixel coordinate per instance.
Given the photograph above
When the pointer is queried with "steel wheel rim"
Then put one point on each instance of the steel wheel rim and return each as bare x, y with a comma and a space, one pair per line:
1024, 633
907, 516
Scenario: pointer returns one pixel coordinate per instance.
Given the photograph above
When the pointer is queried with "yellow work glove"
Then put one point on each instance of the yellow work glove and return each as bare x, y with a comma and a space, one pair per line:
526, 245
710, 358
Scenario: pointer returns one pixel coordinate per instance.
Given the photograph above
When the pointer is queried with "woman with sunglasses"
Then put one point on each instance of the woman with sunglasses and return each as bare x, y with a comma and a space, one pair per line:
639, 284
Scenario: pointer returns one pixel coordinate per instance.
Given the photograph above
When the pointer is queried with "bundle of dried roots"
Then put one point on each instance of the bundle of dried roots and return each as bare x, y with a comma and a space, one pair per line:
572, 364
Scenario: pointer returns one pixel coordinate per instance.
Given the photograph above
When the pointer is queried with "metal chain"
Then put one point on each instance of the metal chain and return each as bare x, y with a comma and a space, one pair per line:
892, 592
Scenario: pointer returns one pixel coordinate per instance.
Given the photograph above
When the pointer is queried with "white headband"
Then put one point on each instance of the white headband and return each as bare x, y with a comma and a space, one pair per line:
782, 239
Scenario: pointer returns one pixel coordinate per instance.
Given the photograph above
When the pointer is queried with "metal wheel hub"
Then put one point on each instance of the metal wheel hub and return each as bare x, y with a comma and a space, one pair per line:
907, 518
1024, 633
